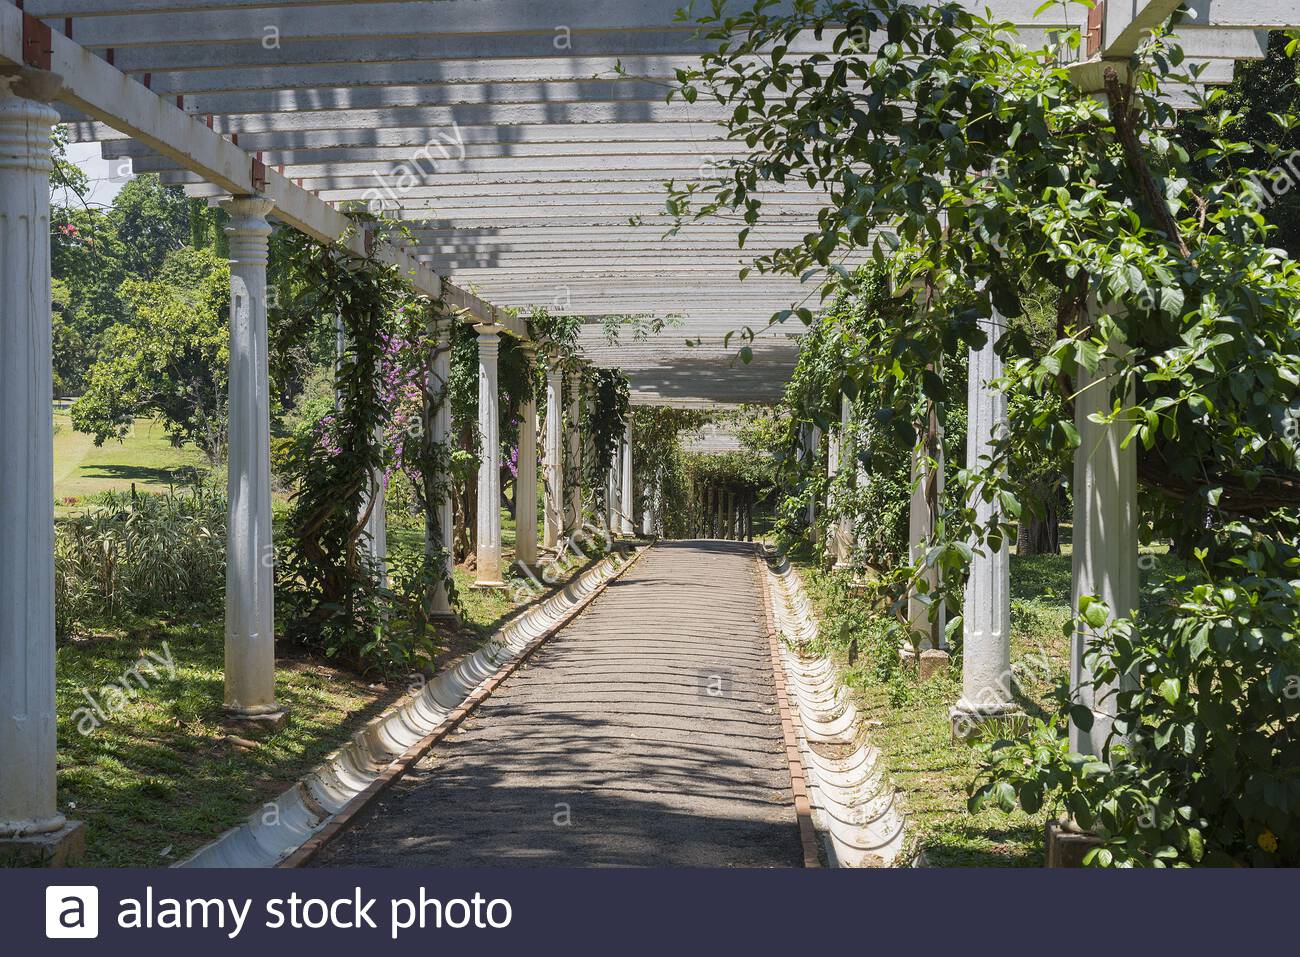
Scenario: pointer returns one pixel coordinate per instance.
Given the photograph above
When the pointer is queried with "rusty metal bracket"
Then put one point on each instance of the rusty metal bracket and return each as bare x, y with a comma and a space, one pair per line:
259, 174
38, 43
1095, 36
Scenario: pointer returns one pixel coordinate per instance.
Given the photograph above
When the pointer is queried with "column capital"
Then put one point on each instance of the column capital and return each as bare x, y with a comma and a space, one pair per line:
25, 124
248, 215
28, 83
488, 331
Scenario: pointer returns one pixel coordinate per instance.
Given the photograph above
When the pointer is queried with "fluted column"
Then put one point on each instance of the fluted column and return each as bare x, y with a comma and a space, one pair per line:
927, 493
986, 617
439, 534
376, 499
526, 479
1105, 561
650, 514
814, 447
848, 455
612, 492
489, 470
250, 580
627, 504
28, 804
573, 464
553, 458
832, 470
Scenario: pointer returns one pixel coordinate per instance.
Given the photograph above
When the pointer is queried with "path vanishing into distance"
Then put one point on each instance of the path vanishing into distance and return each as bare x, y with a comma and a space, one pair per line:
645, 733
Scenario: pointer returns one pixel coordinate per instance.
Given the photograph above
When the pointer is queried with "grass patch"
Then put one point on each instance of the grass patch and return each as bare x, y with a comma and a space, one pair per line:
160, 775
909, 719
145, 458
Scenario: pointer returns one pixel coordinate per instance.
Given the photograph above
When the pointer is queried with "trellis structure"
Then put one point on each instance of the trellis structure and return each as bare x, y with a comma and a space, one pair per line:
524, 143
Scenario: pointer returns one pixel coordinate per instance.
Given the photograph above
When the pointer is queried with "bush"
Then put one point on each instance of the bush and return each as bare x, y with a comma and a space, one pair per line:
139, 553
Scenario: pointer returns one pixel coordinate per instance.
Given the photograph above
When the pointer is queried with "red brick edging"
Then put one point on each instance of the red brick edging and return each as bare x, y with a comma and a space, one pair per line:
789, 722
351, 812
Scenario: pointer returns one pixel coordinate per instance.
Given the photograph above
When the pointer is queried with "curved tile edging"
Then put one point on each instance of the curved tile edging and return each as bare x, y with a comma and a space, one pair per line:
282, 825
854, 805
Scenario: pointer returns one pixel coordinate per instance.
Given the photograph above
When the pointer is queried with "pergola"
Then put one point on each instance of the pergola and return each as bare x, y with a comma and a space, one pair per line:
525, 143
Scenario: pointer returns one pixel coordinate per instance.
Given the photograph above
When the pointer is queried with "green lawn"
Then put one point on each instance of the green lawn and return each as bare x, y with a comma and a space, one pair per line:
908, 719
162, 775
146, 458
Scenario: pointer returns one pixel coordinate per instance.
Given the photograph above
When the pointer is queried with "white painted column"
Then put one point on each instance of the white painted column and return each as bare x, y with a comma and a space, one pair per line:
1105, 561
376, 500
573, 464
489, 470
650, 515
814, 447
553, 458
28, 802
832, 470
526, 479
986, 618
921, 523
250, 579
612, 492
627, 503
439, 377
845, 455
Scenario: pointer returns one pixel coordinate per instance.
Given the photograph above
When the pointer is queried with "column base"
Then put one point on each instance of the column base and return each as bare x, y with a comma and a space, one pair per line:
488, 585
255, 720
1067, 847
971, 720
62, 848
930, 662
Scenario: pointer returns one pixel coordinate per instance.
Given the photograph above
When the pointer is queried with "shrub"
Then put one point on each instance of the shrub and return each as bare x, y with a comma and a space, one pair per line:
141, 553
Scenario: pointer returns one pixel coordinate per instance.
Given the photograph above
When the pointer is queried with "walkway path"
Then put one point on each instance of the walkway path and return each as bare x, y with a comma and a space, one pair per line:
645, 733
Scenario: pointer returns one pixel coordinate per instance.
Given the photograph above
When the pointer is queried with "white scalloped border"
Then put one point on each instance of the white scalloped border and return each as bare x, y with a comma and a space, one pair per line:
266, 838
854, 805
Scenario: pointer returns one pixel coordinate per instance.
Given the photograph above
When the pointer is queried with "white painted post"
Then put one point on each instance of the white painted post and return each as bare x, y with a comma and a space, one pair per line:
553, 459
377, 524
842, 546
832, 470
986, 619
1105, 561
612, 492
489, 470
626, 485
573, 464
526, 479
28, 802
921, 523
440, 376
650, 516
814, 446
250, 580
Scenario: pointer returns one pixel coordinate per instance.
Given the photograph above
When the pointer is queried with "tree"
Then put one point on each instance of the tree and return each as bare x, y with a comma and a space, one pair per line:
69, 346
976, 171
151, 221
168, 357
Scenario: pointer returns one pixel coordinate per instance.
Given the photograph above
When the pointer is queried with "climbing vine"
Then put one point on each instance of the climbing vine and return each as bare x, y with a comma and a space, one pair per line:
604, 415
379, 425
977, 173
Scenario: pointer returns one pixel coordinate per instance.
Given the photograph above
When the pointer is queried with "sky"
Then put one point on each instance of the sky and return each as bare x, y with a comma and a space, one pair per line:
106, 178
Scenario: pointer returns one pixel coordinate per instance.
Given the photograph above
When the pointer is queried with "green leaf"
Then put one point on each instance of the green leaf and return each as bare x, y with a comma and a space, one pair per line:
1081, 717
1170, 689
